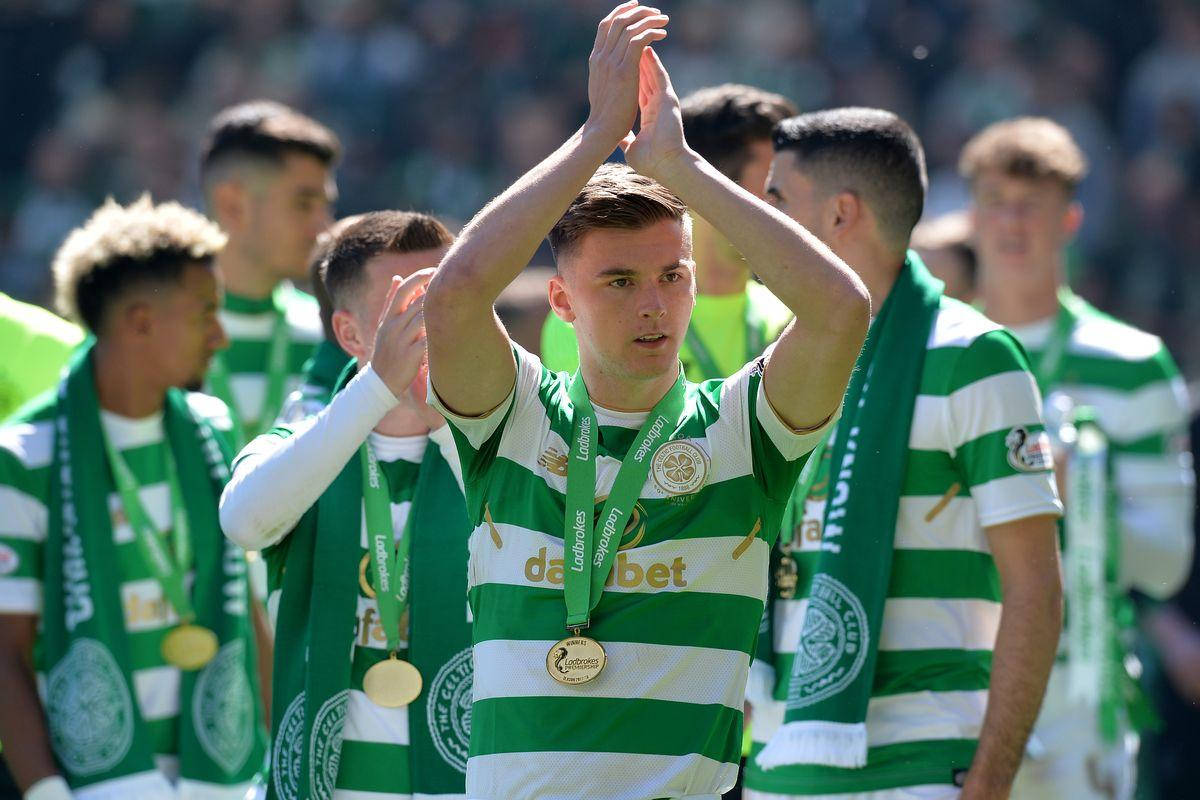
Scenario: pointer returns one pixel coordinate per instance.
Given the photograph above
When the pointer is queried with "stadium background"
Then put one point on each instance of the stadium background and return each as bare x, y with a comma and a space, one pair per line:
441, 103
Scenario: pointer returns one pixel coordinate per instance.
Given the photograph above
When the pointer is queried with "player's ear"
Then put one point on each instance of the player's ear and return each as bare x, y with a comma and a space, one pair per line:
560, 298
843, 212
349, 335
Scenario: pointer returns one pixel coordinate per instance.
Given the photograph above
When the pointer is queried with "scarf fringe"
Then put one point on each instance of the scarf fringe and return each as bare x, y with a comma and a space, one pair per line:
832, 744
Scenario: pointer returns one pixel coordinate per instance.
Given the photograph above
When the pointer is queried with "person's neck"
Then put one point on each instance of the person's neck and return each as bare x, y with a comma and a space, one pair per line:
124, 385
243, 277
877, 266
1012, 302
626, 394
720, 268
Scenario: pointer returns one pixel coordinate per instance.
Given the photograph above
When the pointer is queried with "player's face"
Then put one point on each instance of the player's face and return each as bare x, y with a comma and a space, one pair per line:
184, 332
379, 273
795, 194
288, 207
630, 295
1021, 224
754, 174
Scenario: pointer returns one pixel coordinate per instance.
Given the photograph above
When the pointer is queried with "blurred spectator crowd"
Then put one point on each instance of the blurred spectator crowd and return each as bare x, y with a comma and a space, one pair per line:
441, 103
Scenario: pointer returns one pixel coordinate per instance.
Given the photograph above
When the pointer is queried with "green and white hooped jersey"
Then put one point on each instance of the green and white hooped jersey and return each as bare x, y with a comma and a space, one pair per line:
1141, 403
978, 456
374, 754
679, 615
26, 449
1129, 378
248, 324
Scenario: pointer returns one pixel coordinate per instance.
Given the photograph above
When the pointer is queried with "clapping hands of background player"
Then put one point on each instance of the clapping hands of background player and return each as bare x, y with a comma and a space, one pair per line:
399, 351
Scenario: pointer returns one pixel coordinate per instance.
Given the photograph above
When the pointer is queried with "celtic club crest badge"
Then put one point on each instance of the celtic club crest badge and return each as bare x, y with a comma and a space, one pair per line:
287, 751
325, 751
89, 709
448, 709
833, 643
223, 708
679, 467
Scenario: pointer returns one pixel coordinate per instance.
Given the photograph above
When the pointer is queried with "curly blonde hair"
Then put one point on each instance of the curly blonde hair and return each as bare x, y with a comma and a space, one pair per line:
123, 245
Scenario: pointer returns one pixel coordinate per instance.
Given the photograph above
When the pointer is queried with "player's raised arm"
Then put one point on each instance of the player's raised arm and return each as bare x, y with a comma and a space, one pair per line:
810, 365
499, 242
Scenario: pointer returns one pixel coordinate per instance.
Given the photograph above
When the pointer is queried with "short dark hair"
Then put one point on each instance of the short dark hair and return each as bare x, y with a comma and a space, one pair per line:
616, 197
1025, 147
320, 251
869, 151
375, 233
266, 132
720, 122
120, 247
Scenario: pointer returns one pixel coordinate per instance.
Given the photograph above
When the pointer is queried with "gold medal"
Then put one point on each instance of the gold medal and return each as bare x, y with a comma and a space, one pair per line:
189, 646
392, 683
575, 660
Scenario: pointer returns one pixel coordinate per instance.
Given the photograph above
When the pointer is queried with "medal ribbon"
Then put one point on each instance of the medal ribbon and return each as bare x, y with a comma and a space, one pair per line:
1049, 368
218, 377
756, 340
389, 560
589, 557
167, 570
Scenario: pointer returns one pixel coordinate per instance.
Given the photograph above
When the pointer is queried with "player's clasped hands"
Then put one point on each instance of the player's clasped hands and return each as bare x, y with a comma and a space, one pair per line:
400, 338
625, 77
614, 67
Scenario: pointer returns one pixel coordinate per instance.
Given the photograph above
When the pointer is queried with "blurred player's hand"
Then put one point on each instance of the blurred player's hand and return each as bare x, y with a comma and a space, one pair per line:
400, 338
659, 142
614, 66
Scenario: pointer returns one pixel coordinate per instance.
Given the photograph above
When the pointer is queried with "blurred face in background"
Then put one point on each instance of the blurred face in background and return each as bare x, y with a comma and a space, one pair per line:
286, 208
1021, 225
357, 320
176, 325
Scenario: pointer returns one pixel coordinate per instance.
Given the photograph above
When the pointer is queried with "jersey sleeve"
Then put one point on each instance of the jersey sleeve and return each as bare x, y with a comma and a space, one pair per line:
477, 439
776, 451
23, 515
995, 432
560, 349
1154, 477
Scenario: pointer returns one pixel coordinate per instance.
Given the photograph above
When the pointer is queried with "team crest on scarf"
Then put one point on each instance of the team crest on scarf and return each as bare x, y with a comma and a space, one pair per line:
90, 710
288, 750
833, 643
326, 746
1028, 452
223, 704
448, 710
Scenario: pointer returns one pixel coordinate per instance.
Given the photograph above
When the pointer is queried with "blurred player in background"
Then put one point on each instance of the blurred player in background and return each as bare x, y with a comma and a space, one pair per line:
320, 373
362, 523
267, 173
119, 596
899, 672
735, 316
1023, 174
